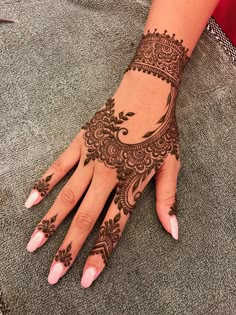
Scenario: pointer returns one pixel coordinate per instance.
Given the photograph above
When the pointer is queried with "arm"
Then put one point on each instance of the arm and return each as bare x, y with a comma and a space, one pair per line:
132, 138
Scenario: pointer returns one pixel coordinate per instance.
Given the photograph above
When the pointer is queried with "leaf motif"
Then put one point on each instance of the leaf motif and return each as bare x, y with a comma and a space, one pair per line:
125, 118
48, 178
130, 114
68, 248
86, 161
162, 119
117, 217
148, 134
121, 114
53, 219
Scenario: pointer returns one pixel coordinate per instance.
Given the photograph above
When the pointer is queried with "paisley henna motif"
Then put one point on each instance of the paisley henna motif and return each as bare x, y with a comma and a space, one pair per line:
133, 162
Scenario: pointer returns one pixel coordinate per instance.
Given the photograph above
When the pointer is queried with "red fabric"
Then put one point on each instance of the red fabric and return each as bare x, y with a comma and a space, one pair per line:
225, 16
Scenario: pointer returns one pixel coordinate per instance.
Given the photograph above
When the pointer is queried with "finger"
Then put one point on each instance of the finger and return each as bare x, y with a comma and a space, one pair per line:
110, 232
55, 173
64, 203
166, 203
82, 224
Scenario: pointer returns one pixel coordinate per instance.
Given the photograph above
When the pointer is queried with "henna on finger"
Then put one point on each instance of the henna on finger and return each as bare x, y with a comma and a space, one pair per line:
173, 208
48, 226
61, 262
107, 238
64, 255
45, 229
42, 185
40, 189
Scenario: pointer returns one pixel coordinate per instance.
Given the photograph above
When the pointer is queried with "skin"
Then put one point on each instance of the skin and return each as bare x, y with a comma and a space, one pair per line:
141, 111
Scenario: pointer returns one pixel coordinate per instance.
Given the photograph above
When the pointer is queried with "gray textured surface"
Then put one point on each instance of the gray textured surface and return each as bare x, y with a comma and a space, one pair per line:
58, 64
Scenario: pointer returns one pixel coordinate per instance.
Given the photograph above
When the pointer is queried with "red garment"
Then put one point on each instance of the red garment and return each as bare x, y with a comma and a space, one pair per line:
225, 16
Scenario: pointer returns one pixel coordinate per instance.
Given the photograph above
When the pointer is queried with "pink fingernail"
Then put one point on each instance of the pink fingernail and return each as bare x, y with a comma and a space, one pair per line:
88, 277
33, 198
174, 227
35, 241
55, 273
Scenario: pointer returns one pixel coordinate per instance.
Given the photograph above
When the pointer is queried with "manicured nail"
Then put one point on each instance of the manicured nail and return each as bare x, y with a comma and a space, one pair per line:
56, 273
88, 277
174, 226
33, 198
35, 241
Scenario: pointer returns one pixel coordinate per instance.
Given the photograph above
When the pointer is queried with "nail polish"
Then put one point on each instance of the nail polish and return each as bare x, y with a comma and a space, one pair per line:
88, 277
174, 226
56, 272
35, 241
32, 199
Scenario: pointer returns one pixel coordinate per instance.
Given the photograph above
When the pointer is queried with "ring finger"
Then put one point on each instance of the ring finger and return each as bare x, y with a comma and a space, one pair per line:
82, 223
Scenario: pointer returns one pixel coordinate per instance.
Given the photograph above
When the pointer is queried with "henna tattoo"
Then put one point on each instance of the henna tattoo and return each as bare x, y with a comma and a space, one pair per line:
47, 226
173, 208
42, 185
165, 57
133, 162
107, 238
64, 255
162, 55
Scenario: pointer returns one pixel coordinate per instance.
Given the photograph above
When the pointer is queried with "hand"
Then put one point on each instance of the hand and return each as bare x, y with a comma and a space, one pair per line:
132, 138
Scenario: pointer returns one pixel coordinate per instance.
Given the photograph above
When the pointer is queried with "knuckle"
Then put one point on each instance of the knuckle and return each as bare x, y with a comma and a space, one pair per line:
68, 196
84, 221
58, 166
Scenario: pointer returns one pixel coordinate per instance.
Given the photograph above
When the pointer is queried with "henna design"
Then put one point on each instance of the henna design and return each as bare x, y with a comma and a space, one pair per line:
107, 238
42, 185
165, 57
162, 55
133, 162
173, 208
64, 255
47, 226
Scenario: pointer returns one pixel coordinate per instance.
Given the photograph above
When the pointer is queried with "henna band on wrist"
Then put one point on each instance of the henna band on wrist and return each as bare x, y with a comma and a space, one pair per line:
162, 55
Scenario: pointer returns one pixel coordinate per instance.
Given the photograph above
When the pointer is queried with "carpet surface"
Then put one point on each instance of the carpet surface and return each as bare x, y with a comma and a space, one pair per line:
59, 63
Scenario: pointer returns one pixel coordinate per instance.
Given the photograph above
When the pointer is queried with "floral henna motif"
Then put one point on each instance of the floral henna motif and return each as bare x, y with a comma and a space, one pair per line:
107, 238
64, 256
162, 55
47, 226
165, 57
42, 185
173, 208
133, 162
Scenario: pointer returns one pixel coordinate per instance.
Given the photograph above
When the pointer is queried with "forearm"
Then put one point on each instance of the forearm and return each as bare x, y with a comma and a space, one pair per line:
170, 35
184, 18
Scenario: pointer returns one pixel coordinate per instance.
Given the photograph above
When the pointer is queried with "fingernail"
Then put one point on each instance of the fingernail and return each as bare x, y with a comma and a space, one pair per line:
32, 199
55, 273
35, 241
174, 226
88, 277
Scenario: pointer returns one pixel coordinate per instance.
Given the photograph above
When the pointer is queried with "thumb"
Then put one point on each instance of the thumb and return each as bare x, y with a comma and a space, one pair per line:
166, 203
